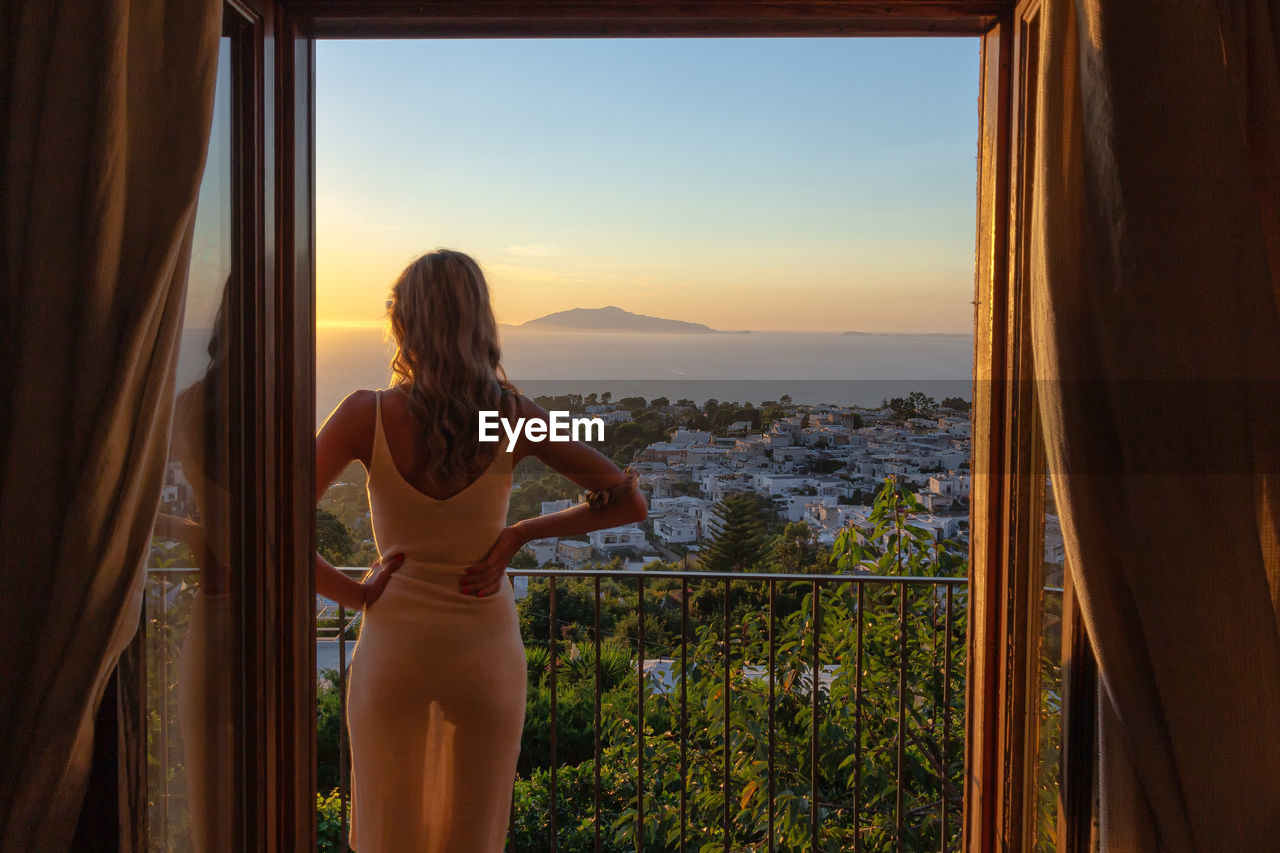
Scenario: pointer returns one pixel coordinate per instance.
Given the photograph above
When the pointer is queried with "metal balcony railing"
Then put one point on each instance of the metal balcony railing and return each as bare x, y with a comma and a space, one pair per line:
907, 598
881, 769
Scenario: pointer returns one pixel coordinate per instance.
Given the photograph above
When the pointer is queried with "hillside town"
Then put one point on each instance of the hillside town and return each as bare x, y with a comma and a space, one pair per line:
820, 465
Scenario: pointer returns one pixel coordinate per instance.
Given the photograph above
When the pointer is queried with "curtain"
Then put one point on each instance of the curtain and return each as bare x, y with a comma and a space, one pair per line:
1156, 341
107, 108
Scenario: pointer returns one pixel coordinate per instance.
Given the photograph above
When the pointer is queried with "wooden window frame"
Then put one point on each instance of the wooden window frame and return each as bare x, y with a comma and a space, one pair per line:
278, 690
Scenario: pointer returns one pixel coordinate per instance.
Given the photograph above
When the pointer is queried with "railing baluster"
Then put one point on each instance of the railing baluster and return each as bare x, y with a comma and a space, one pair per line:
725, 778
163, 634
857, 729
902, 711
814, 791
551, 631
595, 790
640, 714
511, 822
772, 813
344, 757
946, 717
684, 707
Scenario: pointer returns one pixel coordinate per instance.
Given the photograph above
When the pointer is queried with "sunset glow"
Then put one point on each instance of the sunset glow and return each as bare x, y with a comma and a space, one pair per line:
819, 184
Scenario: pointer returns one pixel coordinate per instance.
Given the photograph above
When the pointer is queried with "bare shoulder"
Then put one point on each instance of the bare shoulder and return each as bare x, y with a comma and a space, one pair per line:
359, 408
348, 431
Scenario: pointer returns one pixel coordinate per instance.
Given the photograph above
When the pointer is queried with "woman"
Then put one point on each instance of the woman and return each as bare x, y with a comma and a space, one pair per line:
436, 694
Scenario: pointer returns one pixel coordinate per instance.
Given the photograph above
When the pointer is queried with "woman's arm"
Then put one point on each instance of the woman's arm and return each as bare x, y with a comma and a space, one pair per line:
347, 436
585, 466
183, 530
630, 508
592, 470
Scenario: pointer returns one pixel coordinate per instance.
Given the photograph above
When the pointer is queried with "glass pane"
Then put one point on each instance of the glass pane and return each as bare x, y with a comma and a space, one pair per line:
188, 599
831, 441
1049, 696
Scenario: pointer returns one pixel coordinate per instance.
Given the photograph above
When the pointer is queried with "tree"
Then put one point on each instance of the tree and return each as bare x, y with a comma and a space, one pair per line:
914, 405
524, 559
795, 550
333, 539
741, 544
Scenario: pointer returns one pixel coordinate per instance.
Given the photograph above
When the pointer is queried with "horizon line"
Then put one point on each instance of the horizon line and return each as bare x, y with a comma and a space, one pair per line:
334, 323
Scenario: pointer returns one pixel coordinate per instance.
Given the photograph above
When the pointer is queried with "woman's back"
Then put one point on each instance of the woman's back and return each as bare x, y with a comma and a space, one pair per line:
446, 531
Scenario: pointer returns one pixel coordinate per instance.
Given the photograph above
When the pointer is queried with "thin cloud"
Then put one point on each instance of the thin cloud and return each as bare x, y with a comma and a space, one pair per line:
337, 220
535, 250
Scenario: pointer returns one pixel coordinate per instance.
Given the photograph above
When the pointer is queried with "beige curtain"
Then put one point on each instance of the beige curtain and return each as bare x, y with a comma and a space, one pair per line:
1156, 337
107, 108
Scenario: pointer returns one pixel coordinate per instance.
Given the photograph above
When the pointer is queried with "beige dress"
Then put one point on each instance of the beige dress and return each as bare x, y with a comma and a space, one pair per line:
436, 692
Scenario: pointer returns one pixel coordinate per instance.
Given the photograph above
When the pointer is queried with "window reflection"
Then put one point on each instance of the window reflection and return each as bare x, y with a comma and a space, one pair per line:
189, 613
1048, 718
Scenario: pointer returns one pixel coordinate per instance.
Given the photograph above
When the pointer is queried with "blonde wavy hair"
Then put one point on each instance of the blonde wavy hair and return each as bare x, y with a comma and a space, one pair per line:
447, 356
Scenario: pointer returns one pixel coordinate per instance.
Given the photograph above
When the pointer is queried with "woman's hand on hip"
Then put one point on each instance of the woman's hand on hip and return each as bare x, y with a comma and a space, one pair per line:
382, 570
483, 579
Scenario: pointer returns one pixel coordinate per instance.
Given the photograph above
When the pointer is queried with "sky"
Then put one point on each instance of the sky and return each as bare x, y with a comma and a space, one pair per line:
764, 184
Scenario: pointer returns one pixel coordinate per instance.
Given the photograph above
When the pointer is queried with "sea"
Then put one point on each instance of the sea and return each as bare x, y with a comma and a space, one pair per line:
810, 367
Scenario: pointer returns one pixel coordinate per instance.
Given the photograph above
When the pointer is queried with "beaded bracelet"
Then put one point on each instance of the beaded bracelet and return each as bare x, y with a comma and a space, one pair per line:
601, 498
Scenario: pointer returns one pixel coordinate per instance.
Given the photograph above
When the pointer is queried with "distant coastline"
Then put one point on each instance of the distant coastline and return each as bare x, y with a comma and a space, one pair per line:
610, 318
910, 334
811, 367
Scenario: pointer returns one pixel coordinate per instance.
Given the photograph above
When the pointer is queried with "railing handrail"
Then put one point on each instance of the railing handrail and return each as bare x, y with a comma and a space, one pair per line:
694, 574
691, 574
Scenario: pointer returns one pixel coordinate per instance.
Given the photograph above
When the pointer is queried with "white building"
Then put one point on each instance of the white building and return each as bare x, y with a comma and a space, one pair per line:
776, 484
684, 436
543, 550
950, 485
549, 507
675, 529
615, 538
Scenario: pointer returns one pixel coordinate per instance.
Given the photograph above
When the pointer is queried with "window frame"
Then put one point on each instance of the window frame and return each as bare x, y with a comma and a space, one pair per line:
1006, 441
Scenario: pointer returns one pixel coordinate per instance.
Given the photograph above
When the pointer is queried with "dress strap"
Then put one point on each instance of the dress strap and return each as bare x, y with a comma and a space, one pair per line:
378, 439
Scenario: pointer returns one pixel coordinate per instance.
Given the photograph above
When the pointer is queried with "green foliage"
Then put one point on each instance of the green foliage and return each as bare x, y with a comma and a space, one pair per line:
912, 636
329, 820
333, 540
523, 560
329, 722
795, 550
826, 466
168, 601
892, 545
533, 483
575, 812
741, 545
914, 405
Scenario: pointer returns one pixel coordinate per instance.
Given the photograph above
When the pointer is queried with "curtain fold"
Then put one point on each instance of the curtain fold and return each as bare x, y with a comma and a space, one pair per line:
107, 107
1156, 340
